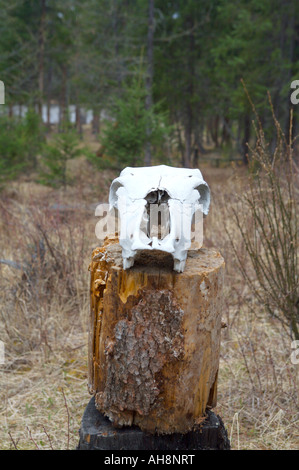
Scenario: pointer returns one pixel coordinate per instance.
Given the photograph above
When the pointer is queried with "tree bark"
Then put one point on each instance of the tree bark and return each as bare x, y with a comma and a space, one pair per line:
155, 338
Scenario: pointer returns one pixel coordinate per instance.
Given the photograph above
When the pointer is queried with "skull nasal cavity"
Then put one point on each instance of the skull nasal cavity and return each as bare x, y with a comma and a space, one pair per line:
157, 197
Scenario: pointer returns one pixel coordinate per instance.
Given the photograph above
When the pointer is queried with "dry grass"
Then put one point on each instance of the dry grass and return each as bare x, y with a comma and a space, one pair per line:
43, 322
258, 384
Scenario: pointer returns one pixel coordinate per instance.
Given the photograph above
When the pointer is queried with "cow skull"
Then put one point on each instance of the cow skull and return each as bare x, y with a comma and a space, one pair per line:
140, 194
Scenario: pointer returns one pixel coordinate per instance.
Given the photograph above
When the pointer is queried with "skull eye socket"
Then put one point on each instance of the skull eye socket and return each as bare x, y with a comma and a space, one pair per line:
113, 190
204, 192
151, 198
157, 197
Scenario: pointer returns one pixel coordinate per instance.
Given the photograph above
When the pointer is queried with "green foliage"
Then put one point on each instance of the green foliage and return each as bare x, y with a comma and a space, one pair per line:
64, 147
12, 159
20, 143
34, 137
124, 138
201, 52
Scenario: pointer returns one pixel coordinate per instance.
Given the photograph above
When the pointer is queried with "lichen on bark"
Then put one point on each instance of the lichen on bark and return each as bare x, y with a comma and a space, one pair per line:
142, 345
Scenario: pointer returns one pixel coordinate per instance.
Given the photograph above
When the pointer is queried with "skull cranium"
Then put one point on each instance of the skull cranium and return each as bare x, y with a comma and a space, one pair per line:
175, 193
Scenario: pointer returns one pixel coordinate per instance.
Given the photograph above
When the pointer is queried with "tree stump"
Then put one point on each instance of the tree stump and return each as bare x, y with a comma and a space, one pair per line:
98, 433
155, 338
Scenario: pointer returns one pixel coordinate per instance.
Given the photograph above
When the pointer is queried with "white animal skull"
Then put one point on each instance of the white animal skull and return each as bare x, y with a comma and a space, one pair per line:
177, 193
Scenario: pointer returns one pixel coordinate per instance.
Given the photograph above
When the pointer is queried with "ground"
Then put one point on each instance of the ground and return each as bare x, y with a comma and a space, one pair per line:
44, 302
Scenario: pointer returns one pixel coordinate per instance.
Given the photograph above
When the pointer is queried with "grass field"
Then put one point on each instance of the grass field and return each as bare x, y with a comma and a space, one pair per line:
44, 304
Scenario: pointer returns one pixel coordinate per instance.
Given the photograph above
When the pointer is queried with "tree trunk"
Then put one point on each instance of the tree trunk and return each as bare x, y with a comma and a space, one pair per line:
225, 133
188, 138
198, 147
189, 124
293, 30
149, 80
246, 138
48, 114
116, 38
10, 110
214, 128
63, 98
49, 92
97, 433
96, 122
78, 120
41, 58
155, 338
179, 136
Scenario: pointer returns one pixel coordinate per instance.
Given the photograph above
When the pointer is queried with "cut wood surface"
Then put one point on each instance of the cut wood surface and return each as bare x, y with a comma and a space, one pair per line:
155, 338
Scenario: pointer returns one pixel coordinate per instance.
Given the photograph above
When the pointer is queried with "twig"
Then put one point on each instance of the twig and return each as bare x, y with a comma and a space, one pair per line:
57, 267
68, 420
49, 439
13, 441
31, 438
